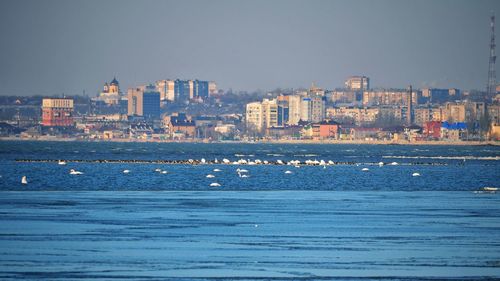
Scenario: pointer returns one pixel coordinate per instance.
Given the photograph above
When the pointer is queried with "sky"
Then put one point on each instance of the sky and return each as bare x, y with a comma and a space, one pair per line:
73, 46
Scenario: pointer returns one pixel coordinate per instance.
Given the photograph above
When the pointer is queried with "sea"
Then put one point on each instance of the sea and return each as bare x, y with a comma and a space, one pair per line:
133, 214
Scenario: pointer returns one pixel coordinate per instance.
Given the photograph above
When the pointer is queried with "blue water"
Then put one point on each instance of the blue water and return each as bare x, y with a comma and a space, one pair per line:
316, 223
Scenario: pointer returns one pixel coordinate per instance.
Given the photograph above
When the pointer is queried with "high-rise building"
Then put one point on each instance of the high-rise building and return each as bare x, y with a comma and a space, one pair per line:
269, 113
166, 89
144, 101
253, 116
294, 109
357, 83
200, 90
57, 112
318, 108
183, 90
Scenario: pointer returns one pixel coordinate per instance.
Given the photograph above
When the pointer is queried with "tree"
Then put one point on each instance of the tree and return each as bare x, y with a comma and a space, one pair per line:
485, 123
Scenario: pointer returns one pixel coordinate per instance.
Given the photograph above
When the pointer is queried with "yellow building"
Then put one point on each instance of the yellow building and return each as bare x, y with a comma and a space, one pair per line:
111, 94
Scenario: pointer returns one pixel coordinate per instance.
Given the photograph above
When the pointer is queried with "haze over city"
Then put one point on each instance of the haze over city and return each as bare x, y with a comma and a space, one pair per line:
54, 47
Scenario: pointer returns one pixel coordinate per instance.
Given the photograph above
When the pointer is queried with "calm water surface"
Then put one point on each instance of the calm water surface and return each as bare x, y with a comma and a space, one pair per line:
337, 222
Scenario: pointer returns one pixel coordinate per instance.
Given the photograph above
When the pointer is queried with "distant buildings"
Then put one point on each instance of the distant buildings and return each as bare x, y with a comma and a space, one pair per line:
110, 94
357, 83
57, 112
144, 102
185, 90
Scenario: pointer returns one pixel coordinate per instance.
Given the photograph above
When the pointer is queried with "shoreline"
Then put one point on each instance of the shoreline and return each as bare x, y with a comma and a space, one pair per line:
357, 142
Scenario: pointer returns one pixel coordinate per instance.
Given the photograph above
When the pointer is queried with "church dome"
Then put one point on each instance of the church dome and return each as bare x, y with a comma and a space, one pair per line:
114, 81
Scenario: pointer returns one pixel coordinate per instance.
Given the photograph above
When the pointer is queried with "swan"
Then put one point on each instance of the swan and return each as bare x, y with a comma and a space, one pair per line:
365, 169
216, 170
158, 170
24, 180
164, 172
279, 162
203, 161
241, 170
394, 163
380, 164
288, 172
214, 184
126, 171
210, 176
73, 172
244, 176
266, 162
226, 161
415, 175
61, 162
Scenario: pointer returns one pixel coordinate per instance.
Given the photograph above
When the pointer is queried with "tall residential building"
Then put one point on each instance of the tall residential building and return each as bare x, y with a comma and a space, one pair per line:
269, 113
183, 90
166, 89
200, 90
318, 108
294, 109
253, 116
358, 83
57, 112
144, 101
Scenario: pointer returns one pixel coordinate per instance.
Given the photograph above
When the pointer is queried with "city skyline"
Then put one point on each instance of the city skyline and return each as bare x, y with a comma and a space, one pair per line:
73, 47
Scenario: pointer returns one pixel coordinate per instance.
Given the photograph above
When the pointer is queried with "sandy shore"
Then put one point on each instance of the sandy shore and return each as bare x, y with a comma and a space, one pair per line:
373, 142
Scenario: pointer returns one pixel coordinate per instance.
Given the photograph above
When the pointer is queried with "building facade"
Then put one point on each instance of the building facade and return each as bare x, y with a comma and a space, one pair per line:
358, 83
57, 112
144, 101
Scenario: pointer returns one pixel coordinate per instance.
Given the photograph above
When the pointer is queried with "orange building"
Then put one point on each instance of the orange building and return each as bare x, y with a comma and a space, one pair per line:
57, 112
325, 130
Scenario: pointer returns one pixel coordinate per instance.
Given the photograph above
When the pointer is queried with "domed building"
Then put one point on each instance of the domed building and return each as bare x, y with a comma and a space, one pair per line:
111, 94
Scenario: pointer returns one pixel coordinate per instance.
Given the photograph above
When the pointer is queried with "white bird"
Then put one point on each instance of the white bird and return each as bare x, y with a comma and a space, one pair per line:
158, 170
126, 171
241, 170
415, 175
279, 162
288, 172
365, 169
203, 161
216, 161
214, 184
24, 180
380, 164
394, 163
216, 170
226, 161
210, 176
73, 172
297, 166
61, 162
163, 172
244, 176
266, 162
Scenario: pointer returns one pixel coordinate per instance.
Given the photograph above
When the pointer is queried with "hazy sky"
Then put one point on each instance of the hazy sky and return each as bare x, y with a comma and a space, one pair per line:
53, 47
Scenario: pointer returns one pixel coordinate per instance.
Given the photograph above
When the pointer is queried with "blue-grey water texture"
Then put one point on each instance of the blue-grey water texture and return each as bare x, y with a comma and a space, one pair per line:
316, 223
